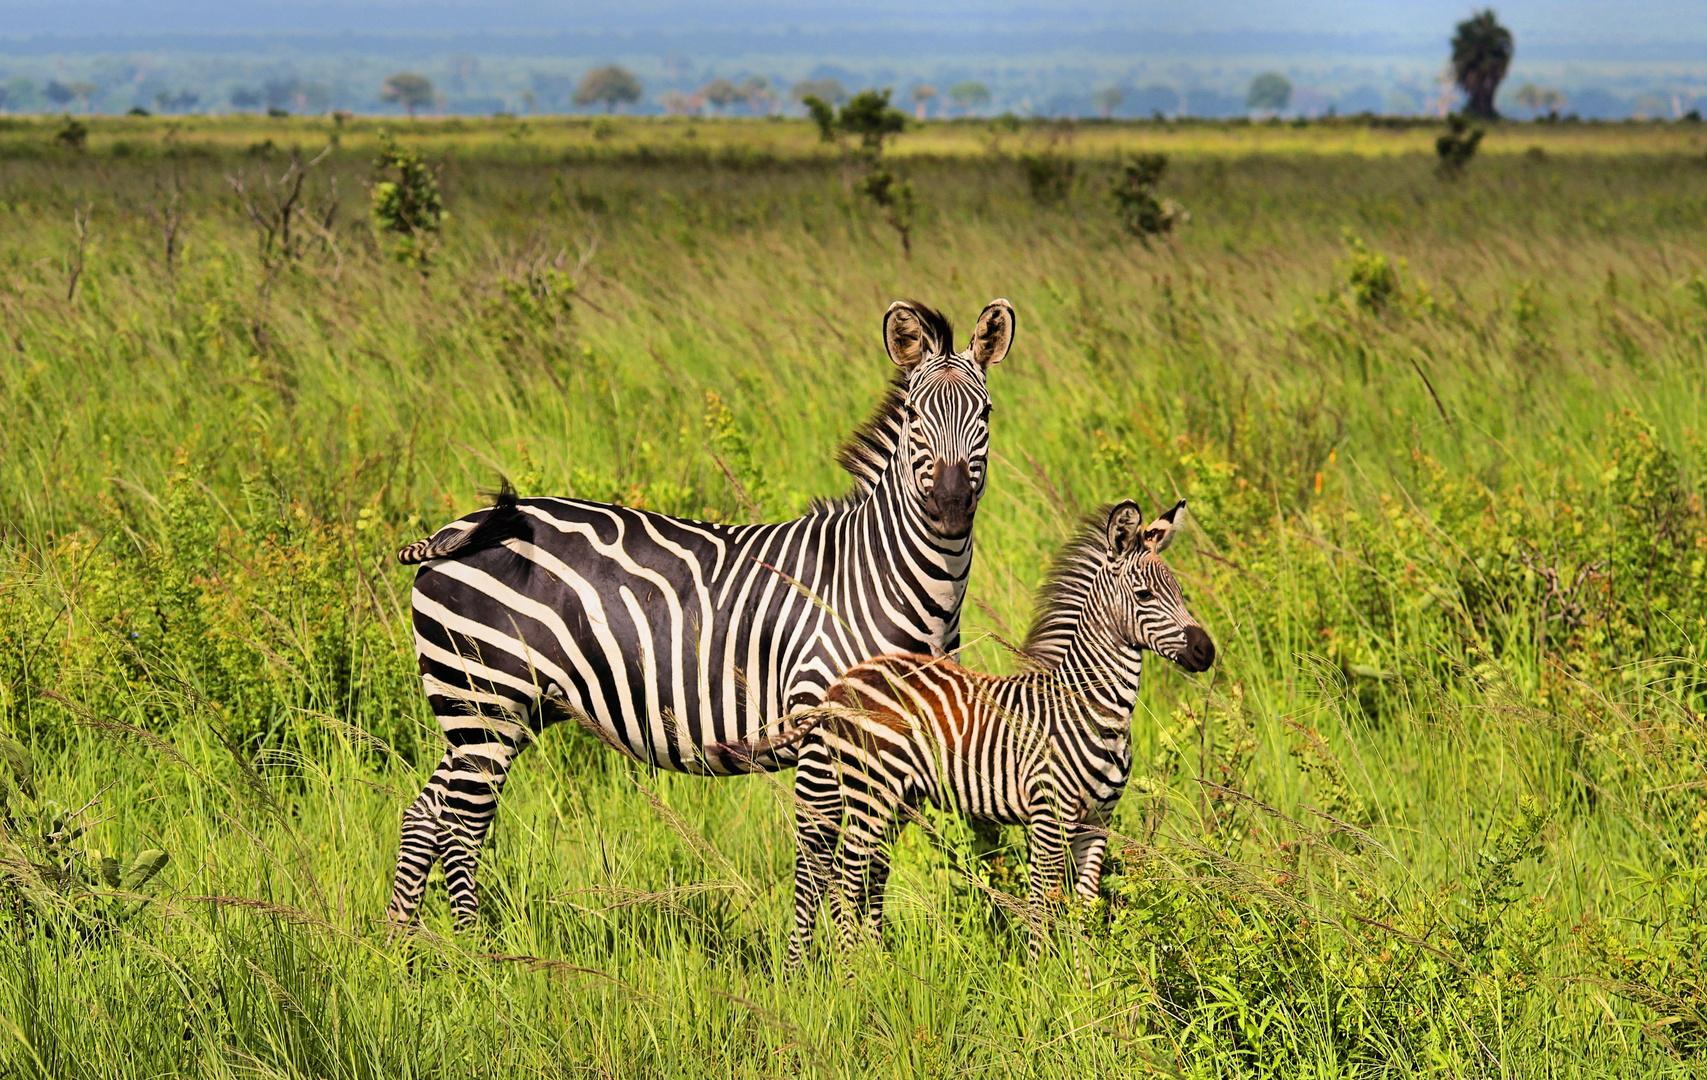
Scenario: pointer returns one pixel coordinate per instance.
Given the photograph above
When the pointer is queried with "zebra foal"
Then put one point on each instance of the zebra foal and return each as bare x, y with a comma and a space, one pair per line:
1047, 749
666, 635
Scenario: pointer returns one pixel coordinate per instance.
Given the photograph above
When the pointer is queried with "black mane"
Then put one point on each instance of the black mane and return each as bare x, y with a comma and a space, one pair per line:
867, 452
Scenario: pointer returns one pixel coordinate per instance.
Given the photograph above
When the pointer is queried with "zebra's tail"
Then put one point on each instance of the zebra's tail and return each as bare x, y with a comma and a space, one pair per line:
748, 753
503, 521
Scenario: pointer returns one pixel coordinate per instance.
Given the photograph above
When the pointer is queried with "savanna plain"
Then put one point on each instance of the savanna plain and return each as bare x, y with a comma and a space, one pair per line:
1440, 808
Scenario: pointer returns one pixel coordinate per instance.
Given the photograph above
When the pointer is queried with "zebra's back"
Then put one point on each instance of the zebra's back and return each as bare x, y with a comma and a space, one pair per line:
656, 629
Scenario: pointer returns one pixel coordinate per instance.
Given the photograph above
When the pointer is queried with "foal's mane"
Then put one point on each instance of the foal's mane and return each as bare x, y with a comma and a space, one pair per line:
1061, 597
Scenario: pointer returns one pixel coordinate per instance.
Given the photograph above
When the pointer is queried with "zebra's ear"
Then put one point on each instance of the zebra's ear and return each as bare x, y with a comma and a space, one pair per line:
1125, 529
1160, 533
907, 336
994, 334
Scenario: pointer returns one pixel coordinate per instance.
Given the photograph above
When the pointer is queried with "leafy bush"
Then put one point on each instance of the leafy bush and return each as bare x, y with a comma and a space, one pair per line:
73, 135
262, 622
1266, 967
1457, 146
895, 198
1048, 176
47, 884
406, 204
1134, 193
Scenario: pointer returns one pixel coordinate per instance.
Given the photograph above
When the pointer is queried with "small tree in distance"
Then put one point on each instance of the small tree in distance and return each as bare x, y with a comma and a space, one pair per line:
406, 204
1481, 53
830, 91
609, 86
1270, 92
969, 95
823, 114
1540, 99
922, 95
408, 89
1108, 99
869, 116
721, 93
757, 93
1135, 200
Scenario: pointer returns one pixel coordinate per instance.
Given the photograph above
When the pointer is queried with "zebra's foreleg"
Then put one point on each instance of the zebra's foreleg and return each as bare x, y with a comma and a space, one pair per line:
1090, 844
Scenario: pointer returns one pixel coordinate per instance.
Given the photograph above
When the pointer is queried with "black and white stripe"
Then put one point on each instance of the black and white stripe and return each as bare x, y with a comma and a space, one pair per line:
1047, 749
665, 636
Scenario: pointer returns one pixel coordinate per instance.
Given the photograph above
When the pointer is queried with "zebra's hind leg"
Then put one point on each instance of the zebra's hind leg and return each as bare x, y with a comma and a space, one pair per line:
420, 844
449, 820
476, 780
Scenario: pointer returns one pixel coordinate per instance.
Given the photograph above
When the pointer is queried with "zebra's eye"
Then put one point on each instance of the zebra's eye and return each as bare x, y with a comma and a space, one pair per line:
1145, 595
985, 415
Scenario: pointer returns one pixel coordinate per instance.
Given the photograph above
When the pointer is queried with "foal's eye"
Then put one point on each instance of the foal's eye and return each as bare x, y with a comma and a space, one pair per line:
1146, 594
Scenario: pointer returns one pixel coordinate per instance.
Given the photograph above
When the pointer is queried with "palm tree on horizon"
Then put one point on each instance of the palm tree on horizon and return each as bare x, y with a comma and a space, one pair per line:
1481, 54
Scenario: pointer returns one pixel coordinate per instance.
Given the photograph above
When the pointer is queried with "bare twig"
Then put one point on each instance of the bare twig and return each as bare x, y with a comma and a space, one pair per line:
168, 217
80, 221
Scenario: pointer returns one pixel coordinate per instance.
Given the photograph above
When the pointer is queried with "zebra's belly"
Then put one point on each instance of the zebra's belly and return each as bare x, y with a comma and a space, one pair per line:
665, 679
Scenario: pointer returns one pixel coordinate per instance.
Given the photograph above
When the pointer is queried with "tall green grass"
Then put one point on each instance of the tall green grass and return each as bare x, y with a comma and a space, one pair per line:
1438, 809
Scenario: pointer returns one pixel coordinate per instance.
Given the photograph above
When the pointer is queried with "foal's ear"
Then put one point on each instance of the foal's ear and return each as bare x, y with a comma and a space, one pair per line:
909, 337
994, 334
1125, 529
1160, 533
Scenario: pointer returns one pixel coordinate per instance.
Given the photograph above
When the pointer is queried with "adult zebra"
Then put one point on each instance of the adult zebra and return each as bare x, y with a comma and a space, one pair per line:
666, 636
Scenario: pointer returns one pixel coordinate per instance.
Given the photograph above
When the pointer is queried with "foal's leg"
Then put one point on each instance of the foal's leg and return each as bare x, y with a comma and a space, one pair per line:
817, 825
868, 822
1048, 853
1090, 846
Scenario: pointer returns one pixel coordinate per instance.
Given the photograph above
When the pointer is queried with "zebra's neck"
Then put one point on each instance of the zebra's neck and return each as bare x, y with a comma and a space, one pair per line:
901, 557
1102, 673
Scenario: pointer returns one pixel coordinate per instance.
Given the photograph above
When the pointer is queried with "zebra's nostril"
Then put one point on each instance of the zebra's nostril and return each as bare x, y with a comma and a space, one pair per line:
1199, 649
951, 499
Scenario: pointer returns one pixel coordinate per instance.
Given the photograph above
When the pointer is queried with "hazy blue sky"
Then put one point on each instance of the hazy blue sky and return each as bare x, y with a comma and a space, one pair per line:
1193, 56
1557, 29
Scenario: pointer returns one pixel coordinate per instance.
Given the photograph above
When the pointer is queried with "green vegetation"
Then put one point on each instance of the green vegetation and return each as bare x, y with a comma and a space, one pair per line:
1458, 146
1439, 809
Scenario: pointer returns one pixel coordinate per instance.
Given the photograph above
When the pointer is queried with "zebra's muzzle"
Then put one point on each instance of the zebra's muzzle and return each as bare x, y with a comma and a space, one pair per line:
952, 499
1199, 651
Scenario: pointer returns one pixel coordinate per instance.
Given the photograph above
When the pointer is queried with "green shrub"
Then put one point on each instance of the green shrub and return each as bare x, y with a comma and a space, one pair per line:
406, 204
1457, 146
1048, 176
1141, 211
